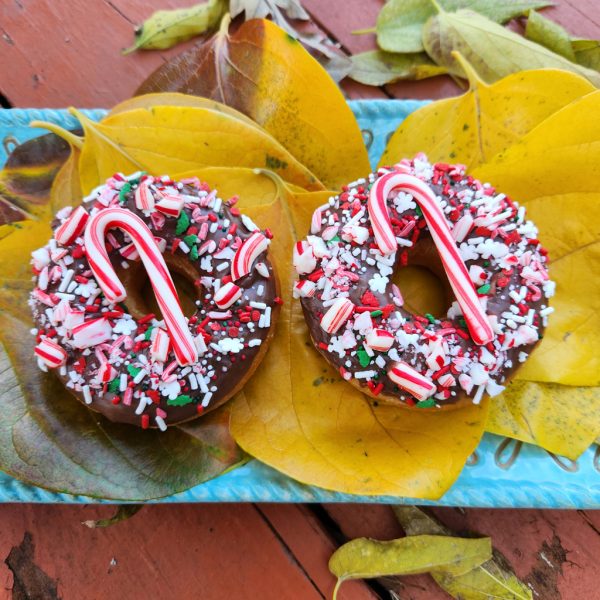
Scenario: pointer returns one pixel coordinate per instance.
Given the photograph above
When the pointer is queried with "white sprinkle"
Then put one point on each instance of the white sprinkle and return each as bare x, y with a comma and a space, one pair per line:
546, 311
202, 384
161, 423
139, 376
253, 343
184, 247
66, 280
193, 381
365, 374
123, 382
259, 305
403, 242
479, 394
222, 266
206, 399
87, 394
260, 290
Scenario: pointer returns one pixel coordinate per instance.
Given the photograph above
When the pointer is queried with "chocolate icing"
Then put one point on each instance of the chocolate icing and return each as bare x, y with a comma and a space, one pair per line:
506, 361
231, 369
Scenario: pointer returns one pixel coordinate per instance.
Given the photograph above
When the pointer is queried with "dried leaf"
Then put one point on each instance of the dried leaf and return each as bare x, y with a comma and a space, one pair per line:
487, 119
27, 176
553, 170
379, 68
145, 139
559, 418
493, 50
167, 28
493, 579
124, 512
260, 9
262, 72
49, 439
310, 424
364, 558
400, 22
587, 53
549, 34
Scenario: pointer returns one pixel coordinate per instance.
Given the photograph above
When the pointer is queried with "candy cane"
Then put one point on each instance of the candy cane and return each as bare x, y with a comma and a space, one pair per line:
339, 312
158, 273
144, 200
51, 353
380, 340
475, 317
227, 294
247, 253
72, 227
410, 380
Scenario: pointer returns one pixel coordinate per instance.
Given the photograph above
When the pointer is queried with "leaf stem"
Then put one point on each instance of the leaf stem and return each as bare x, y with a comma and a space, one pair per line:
71, 138
471, 74
364, 31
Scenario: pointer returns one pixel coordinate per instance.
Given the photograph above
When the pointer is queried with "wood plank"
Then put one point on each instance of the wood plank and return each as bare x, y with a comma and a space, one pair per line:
168, 551
311, 545
57, 54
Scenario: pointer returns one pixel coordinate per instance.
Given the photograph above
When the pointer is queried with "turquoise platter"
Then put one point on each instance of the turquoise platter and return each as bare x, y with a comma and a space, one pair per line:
502, 473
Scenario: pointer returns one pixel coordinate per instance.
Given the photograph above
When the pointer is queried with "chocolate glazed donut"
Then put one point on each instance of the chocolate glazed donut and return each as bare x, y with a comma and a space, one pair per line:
105, 276
490, 257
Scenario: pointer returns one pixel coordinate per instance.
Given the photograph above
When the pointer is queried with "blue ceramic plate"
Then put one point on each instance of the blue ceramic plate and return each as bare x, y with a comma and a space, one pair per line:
502, 473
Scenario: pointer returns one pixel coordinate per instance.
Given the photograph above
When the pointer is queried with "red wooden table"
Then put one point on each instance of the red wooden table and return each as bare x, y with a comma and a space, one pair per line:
55, 53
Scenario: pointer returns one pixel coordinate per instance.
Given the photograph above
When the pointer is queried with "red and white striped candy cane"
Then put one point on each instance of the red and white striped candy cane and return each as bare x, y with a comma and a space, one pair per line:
227, 294
410, 380
51, 353
339, 312
71, 227
475, 317
158, 273
247, 253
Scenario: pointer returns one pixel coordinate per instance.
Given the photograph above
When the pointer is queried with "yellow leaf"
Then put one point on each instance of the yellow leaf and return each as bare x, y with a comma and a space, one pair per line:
66, 189
266, 74
297, 414
472, 128
17, 242
562, 419
168, 139
555, 171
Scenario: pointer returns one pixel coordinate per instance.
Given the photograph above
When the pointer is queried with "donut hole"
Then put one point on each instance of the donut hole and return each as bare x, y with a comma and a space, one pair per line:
423, 281
141, 299
423, 290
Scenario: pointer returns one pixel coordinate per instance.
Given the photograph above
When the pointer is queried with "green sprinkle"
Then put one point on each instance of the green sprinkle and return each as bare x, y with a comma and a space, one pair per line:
183, 222
376, 313
335, 238
419, 211
133, 371
190, 240
484, 289
486, 263
363, 358
113, 386
148, 333
430, 317
179, 401
194, 253
462, 322
429, 403
124, 191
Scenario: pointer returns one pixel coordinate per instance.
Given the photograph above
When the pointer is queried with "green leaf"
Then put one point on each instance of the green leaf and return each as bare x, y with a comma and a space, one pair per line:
364, 558
400, 22
549, 34
167, 28
492, 579
587, 53
492, 50
378, 67
123, 513
49, 439
260, 9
